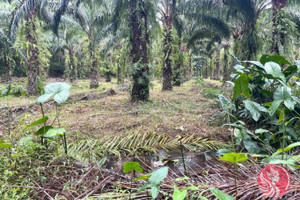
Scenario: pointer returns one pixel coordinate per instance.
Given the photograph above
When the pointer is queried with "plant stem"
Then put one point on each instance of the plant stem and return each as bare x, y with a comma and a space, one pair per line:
42, 137
235, 179
231, 135
284, 133
130, 191
9, 119
64, 136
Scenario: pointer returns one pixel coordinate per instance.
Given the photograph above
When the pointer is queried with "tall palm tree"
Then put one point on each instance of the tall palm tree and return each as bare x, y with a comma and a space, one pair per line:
283, 26
5, 42
94, 19
137, 15
28, 11
245, 15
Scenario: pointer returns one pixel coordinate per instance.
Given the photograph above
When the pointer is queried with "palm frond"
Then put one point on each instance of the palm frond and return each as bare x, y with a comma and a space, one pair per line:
58, 14
24, 10
134, 143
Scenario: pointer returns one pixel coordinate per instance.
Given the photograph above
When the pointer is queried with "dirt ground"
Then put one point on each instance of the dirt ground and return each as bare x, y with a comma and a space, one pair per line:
187, 110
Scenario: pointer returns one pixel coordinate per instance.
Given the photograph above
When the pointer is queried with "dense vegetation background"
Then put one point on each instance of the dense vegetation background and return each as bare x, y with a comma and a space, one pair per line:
88, 85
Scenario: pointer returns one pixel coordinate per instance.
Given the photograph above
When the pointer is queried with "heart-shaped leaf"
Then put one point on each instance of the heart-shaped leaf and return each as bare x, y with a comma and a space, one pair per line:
54, 132
130, 166
254, 109
60, 91
275, 70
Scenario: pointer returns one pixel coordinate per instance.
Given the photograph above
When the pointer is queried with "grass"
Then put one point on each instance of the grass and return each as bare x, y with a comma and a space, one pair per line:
184, 111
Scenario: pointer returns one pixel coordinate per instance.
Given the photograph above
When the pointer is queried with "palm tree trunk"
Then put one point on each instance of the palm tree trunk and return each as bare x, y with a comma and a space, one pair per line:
277, 36
33, 64
72, 76
119, 73
107, 74
94, 79
211, 69
140, 68
226, 70
217, 70
167, 67
7, 66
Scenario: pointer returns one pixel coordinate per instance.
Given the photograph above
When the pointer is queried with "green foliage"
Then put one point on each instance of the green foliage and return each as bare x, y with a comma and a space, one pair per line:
255, 109
132, 166
234, 158
220, 195
60, 91
7, 90
269, 97
154, 180
4, 145
38, 122
241, 86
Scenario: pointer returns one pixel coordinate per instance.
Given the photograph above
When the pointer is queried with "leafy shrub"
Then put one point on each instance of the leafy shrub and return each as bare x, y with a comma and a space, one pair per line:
265, 103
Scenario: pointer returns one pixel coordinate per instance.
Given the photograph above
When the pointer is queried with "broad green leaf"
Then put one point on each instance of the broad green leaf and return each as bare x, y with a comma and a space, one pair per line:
154, 191
284, 94
239, 68
179, 194
54, 132
155, 178
251, 146
226, 104
6, 92
274, 107
275, 70
234, 158
220, 195
43, 130
158, 175
43, 98
282, 162
130, 166
38, 122
59, 90
274, 58
241, 86
257, 64
291, 146
254, 109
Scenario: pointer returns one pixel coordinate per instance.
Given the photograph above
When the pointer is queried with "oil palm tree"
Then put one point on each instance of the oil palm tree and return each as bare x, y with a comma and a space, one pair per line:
94, 19
245, 15
5, 42
135, 17
28, 11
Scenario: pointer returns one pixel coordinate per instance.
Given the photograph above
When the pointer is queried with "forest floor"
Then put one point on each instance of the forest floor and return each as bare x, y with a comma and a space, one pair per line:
107, 111
103, 124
